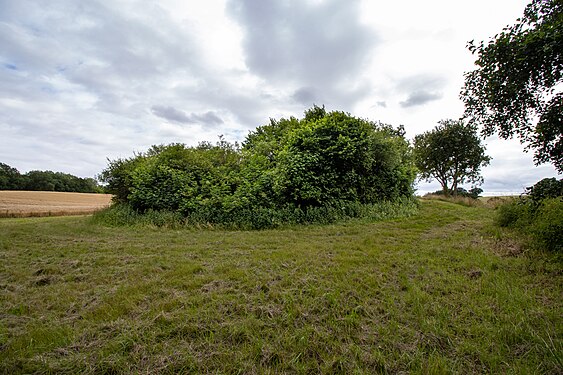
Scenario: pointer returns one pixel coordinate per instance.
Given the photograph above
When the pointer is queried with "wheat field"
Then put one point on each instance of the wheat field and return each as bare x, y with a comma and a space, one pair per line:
50, 203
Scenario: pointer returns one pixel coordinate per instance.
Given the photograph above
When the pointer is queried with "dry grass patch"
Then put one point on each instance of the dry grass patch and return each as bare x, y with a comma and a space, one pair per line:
50, 203
464, 201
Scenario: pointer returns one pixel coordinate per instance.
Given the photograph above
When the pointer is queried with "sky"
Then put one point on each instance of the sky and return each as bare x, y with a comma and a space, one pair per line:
87, 81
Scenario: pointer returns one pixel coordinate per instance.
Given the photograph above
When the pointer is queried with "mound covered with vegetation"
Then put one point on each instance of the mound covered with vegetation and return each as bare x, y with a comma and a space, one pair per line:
322, 168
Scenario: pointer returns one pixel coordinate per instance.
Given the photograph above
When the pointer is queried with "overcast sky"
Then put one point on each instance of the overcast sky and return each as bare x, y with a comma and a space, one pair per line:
83, 81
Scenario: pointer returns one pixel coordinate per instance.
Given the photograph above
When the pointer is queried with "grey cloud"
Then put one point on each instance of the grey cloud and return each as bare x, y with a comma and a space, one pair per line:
170, 114
250, 109
382, 104
319, 45
208, 118
305, 96
420, 97
421, 89
78, 77
174, 115
115, 51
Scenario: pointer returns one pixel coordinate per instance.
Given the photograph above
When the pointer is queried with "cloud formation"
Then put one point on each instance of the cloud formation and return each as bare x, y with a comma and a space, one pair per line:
174, 115
421, 89
83, 81
420, 97
319, 47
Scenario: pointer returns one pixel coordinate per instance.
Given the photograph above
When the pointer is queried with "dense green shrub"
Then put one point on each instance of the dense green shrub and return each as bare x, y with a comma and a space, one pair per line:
546, 188
474, 192
339, 157
539, 214
321, 168
514, 213
547, 227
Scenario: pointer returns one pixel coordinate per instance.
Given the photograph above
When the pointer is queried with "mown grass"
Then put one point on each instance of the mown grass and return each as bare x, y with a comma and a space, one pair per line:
442, 291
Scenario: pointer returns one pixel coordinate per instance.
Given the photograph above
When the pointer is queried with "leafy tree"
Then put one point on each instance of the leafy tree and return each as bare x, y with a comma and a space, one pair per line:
451, 153
40, 181
544, 189
338, 157
118, 177
10, 178
518, 80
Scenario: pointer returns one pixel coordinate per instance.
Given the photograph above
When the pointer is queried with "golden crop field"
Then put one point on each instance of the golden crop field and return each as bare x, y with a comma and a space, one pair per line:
50, 203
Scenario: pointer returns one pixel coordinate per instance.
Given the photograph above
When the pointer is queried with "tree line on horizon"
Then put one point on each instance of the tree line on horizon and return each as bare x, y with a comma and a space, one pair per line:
12, 179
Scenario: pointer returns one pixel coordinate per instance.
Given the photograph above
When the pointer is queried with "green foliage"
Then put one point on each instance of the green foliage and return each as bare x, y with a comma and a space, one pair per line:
452, 153
473, 193
514, 213
546, 188
538, 215
11, 179
339, 157
118, 177
547, 227
288, 171
122, 214
518, 79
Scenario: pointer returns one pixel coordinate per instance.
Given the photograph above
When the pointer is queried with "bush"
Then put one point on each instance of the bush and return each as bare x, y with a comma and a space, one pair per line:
473, 193
538, 215
546, 188
547, 227
514, 213
319, 169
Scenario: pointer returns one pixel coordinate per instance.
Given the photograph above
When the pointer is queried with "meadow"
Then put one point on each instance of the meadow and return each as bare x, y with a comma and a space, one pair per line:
442, 291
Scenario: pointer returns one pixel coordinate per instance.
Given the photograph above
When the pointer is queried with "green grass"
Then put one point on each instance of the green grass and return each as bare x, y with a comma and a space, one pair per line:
442, 291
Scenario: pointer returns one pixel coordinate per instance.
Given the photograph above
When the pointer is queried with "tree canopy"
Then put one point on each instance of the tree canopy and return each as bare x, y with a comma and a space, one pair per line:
451, 153
516, 89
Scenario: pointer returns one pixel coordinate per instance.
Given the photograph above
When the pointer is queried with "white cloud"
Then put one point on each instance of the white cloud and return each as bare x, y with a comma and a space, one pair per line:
86, 81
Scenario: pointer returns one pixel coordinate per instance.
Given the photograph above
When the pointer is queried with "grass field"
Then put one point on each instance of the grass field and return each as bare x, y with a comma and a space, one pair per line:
50, 203
439, 292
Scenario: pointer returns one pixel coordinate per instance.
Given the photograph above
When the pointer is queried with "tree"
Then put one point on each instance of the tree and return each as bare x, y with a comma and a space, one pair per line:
516, 89
10, 178
335, 157
452, 153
